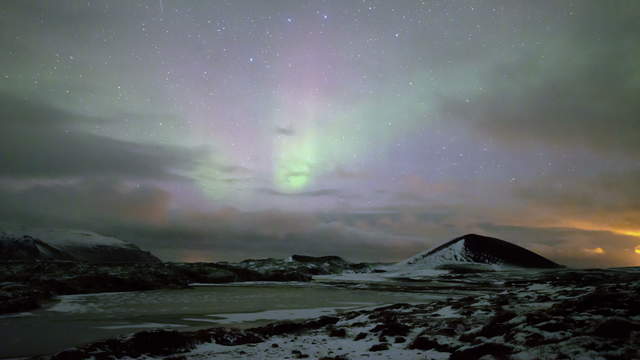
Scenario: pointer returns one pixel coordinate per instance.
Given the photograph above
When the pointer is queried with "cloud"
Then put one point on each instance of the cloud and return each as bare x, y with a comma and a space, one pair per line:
85, 203
610, 200
40, 141
144, 215
235, 235
348, 174
416, 189
223, 242
314, 193
232, 235
594, 251
232, 169
285, 131
579, 90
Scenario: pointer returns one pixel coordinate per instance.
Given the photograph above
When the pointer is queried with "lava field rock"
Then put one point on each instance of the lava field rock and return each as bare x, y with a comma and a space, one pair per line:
616, 327
498, 351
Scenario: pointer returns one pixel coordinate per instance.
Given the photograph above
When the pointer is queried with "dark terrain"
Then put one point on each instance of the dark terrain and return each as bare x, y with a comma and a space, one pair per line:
26, 285
558, 314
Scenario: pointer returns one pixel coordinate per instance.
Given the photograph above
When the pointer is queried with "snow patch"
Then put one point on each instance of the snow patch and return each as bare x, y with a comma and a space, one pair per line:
277, 315
150, 325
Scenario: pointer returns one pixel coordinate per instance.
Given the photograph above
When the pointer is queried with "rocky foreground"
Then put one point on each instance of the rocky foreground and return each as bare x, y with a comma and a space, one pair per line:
559, 314
26, 285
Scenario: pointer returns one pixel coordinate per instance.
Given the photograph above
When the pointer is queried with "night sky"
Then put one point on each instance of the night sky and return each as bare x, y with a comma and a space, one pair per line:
222, 130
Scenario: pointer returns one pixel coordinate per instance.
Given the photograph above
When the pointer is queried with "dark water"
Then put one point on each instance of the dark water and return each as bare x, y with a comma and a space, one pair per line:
79, 319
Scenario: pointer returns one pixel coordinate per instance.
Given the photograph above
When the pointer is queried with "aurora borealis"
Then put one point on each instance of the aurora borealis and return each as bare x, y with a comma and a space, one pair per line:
214, 130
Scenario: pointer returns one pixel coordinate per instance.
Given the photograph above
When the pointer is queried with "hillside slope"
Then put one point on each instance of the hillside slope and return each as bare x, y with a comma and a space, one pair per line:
61, 244
478, 249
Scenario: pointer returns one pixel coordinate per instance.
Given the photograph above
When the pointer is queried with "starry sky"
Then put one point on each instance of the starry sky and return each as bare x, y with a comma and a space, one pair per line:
223, 130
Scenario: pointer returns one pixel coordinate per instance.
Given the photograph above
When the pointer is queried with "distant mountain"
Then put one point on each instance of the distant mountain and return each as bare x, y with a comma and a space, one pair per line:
74, 245
303, 264
477, 249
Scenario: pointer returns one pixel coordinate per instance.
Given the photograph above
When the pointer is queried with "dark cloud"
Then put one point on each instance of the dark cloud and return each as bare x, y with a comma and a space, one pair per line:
608, 200
228, 241
286, 131
348, 174
235, 180
85, 204
38, 140
143, 215
314, 193
233, 169
579, 90
369, 238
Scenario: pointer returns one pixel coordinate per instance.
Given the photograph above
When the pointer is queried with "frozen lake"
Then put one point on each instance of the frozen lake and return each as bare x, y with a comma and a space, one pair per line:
78, 319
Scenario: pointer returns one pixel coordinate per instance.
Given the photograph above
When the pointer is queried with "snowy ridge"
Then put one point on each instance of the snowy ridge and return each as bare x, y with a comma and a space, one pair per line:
455, 253
60, 238
21, 243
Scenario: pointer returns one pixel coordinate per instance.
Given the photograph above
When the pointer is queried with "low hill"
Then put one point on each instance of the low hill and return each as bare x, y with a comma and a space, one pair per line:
20, 244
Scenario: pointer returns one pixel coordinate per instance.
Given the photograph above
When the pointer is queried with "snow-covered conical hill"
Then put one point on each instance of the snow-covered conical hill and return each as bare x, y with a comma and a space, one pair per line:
478, 249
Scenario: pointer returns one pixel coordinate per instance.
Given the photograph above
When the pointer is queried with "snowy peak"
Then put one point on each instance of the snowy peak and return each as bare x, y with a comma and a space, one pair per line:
478, 249
21, 244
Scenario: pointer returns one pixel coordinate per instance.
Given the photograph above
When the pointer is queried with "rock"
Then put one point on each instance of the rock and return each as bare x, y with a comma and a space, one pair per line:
425, 343
391, 328
19, 299
379, 347
152, 343
284, 275
317, 259
71, 354
298, 354
160, 342
534, 340
360, 336
341, 333
498, 351
616, 328
301, 266
497, 325
593, 303
552, 326
289, 327
537, 317
228, 337
400, 340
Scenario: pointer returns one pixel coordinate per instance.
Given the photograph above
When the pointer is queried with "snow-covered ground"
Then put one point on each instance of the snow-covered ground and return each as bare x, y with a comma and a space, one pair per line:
527, 315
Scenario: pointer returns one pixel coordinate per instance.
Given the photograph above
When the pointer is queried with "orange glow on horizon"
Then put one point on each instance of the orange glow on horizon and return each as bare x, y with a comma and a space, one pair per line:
637, 249
630, 233
192, 256
595, 251
582, 225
